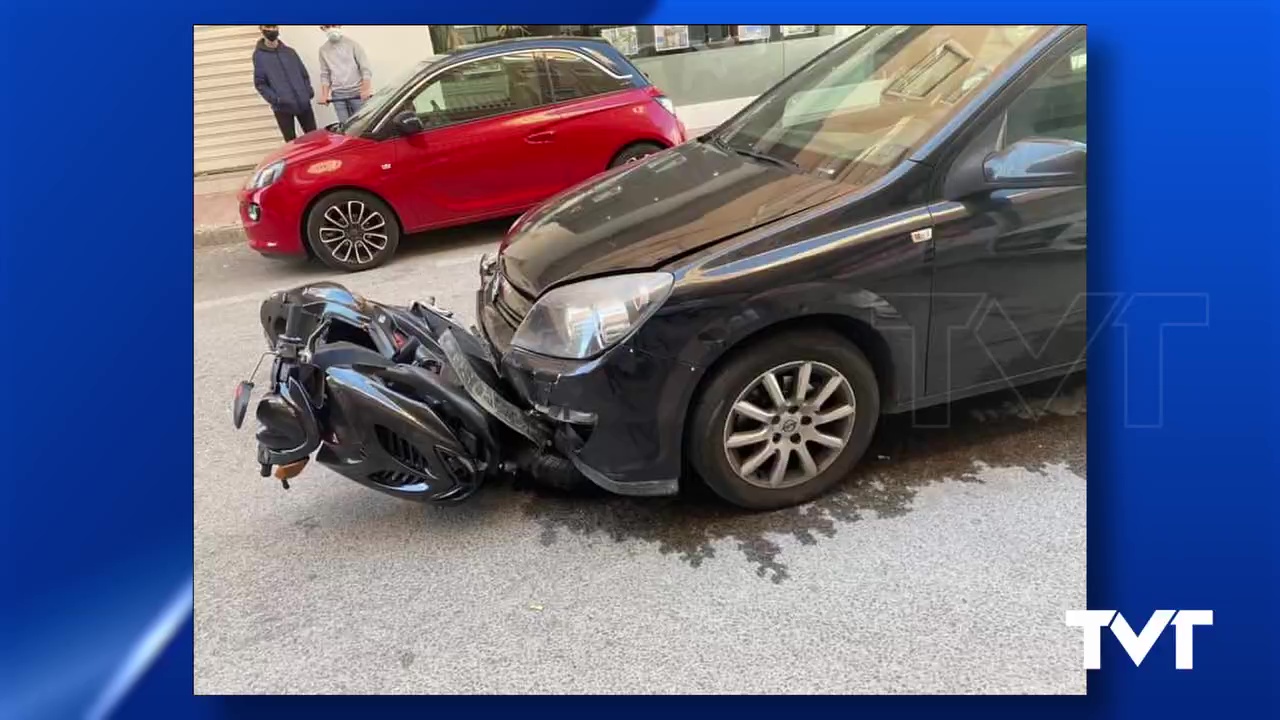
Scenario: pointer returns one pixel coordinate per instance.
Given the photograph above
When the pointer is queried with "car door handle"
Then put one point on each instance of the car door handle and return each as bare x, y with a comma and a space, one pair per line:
541, 137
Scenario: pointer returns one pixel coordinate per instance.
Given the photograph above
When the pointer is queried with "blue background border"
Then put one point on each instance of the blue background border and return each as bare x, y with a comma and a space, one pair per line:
95, 285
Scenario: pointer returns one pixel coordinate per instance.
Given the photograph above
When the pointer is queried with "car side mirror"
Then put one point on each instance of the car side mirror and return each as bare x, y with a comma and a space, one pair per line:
1037, 162
408, 122
1033, 162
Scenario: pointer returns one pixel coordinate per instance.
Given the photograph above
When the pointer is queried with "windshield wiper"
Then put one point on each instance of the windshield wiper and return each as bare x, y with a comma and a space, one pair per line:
755, 154
766, 158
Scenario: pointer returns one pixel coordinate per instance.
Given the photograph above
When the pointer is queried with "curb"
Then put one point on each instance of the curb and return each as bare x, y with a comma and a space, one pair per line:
218, 236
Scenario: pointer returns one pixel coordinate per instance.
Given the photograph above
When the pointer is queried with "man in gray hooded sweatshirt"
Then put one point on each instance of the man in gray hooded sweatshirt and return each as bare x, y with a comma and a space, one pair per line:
346, 80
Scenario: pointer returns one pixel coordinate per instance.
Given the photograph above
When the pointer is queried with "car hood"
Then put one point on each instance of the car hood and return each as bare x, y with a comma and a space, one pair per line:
644, 215
315, 144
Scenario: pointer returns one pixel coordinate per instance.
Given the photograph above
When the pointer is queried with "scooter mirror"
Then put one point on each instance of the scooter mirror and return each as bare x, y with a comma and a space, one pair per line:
240, 405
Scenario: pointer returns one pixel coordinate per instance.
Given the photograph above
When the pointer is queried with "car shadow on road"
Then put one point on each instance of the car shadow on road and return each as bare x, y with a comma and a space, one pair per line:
1032, 428
432, 242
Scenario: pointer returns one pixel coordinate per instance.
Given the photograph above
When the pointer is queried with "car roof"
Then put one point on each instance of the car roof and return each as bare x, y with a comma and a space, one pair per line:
530, 43
599, 49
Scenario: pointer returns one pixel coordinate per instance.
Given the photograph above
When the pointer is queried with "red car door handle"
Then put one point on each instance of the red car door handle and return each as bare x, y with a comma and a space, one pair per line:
541, 137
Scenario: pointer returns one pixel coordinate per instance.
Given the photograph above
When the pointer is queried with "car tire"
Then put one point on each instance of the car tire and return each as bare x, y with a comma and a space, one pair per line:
738, 434
339, 244
635, 152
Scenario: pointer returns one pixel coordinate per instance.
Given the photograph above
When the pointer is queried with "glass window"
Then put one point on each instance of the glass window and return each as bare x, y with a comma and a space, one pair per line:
451, 37
480, 89
921, 79
863, 108
1054, 106
692, 64
359, 121
573, 76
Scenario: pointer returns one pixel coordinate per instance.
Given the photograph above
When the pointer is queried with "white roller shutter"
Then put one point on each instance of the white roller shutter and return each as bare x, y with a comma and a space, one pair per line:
234, 127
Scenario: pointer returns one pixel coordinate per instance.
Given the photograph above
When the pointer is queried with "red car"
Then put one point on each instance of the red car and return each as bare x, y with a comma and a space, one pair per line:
483, 132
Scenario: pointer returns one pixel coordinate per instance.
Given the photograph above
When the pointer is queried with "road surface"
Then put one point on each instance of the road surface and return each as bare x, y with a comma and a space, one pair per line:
945, 564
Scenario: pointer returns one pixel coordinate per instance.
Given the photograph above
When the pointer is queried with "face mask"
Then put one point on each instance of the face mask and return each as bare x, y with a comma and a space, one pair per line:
334, 34
271, 34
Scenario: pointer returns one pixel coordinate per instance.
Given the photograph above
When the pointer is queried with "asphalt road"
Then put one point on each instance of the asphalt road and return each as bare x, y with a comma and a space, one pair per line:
943, 565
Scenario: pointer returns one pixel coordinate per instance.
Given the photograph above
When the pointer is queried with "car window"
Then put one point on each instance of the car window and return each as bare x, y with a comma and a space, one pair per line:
921, 79
573, 76
1054, 105
480, 89
361, 119
866, 104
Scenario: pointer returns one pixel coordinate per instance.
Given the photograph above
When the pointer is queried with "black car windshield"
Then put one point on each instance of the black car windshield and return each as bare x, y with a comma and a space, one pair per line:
359, 122
868, 103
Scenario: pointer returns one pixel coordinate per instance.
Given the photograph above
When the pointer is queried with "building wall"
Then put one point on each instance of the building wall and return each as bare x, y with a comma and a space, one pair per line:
711, 86
391, 49
707, 87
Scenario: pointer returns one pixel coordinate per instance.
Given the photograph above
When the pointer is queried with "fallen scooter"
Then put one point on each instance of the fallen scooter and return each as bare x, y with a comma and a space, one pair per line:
403, 400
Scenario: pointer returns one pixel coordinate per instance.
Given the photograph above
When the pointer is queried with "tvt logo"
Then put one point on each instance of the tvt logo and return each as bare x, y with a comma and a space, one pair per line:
1138, 645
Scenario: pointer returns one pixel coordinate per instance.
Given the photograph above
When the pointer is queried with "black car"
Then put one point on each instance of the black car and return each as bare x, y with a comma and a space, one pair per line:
900, 223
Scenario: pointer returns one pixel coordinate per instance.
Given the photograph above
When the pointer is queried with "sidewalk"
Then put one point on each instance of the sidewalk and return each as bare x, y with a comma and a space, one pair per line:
216, 215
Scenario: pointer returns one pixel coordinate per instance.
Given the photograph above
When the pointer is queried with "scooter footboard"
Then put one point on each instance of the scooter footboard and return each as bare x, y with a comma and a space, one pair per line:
392, 442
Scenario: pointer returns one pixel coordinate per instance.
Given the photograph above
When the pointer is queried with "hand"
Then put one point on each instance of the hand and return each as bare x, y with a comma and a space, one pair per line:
324, 98
365, 90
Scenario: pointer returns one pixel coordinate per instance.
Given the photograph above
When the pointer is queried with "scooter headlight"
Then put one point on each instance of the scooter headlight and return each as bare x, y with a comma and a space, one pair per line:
586, 318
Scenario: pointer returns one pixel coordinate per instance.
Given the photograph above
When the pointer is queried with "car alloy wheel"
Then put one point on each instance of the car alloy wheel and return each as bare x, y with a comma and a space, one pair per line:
789, 424
353, 232
634, 153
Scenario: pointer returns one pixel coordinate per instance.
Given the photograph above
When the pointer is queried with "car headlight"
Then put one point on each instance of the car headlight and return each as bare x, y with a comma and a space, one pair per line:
586, 318
267, 175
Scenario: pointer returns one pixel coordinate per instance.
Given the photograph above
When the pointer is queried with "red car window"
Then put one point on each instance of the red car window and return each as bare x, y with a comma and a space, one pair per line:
479, 90
573, 77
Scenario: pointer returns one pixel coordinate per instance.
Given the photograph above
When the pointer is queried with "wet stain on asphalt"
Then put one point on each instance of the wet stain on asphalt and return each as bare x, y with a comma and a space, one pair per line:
307, 524
1034, 428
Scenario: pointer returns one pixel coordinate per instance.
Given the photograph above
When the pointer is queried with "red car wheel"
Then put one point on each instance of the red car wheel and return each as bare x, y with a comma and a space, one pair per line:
352, 231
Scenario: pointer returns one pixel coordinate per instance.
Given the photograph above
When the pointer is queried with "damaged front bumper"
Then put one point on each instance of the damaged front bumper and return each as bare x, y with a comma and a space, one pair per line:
406, 401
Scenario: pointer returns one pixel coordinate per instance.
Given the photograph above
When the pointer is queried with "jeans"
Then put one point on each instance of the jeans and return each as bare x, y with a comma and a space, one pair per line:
285, 120
346, 107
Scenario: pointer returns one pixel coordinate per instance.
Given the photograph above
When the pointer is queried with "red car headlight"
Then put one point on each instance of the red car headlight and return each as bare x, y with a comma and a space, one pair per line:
266, 175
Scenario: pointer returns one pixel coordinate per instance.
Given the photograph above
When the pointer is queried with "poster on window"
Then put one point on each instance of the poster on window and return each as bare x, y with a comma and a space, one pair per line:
622, 38
792, 30
670, 37
751, 33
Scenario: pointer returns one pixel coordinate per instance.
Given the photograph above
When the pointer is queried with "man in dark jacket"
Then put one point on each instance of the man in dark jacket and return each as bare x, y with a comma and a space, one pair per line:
282, 80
